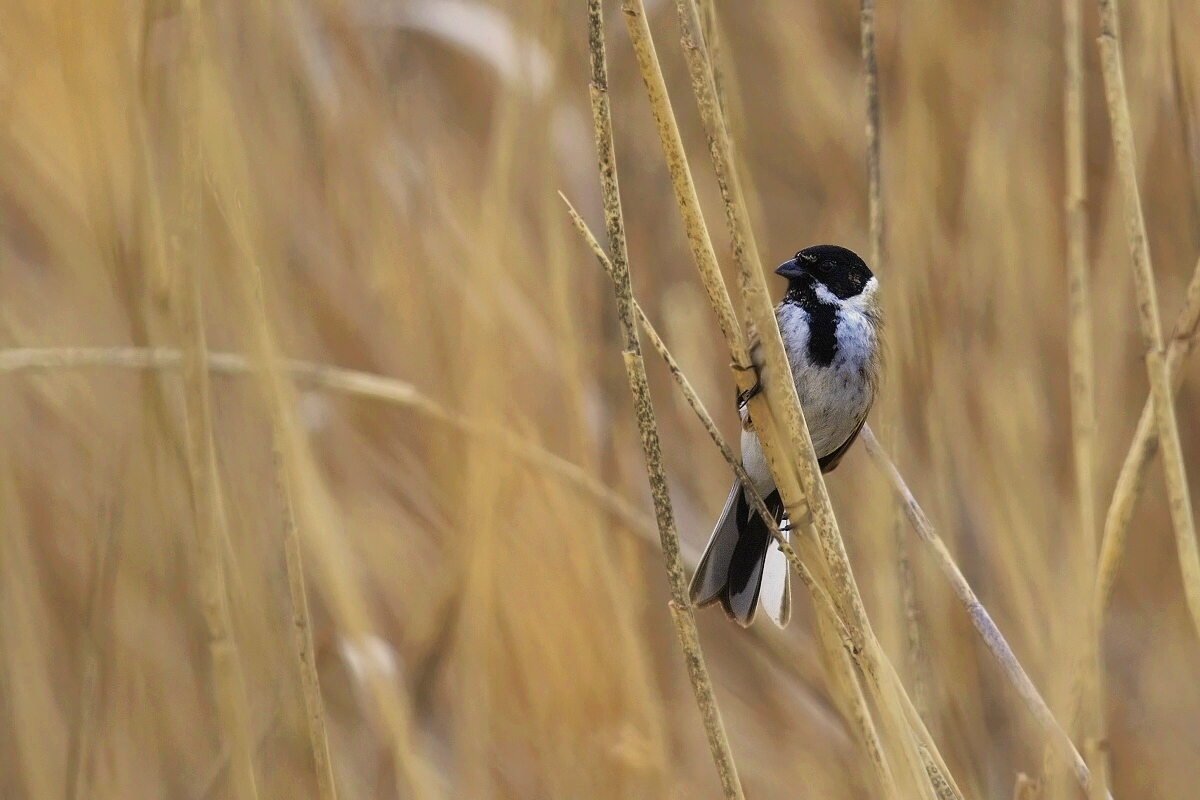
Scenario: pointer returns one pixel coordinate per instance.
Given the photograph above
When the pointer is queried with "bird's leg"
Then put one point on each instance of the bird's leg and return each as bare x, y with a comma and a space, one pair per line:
756, 364
745, 397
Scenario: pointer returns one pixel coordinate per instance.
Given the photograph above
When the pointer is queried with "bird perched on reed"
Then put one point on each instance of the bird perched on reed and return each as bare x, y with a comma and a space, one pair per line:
830, 322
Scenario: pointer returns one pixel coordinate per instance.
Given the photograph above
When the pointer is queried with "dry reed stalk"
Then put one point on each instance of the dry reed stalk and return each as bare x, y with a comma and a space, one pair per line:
279, 408
1183, 105
875, 235
712, 40
1081, 362
979, 615
917, 664
876, 232
74, 28
390, 712
1174, 469
639, 387
694, 225
1132, 477
724, 75
781, 413
208, 514
680, 607
874, 160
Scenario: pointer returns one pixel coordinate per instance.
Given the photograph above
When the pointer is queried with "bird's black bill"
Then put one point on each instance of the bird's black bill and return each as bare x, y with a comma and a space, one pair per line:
789, 269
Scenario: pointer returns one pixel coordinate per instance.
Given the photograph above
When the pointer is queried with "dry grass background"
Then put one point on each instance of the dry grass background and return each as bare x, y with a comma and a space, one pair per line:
391, 168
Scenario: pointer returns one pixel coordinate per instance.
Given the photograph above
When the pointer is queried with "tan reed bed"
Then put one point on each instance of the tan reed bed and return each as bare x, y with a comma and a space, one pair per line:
345, 381
393, 392
1131, 479
206, 127
364, 385
97, 615
1143, 448
314, 522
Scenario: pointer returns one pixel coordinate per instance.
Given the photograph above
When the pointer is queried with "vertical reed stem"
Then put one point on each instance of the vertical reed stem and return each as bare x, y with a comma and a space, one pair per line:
635, 369
207, 507
1082, 383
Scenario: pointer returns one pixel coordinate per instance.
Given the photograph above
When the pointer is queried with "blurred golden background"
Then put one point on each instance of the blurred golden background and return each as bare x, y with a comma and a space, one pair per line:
483, 627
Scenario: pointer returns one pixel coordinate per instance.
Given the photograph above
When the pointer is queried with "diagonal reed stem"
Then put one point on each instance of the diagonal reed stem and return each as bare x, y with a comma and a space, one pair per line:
1132, 477
1174, 470
635, 369
345, 381
979, 615
685, 192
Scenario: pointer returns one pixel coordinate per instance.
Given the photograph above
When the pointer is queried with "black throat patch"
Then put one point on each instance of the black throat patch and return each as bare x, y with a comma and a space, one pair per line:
822, 320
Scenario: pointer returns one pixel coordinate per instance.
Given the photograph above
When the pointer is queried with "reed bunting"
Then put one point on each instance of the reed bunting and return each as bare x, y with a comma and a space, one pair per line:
830, 322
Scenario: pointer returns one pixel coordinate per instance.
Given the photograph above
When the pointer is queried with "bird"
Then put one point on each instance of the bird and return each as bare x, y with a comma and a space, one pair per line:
831, 324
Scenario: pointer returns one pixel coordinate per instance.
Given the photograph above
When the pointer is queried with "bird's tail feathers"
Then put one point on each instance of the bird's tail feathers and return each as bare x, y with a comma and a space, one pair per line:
776, 593
712, 574
742, 561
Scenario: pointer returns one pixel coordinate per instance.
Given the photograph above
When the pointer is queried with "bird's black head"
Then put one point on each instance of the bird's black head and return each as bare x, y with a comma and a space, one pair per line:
839, 270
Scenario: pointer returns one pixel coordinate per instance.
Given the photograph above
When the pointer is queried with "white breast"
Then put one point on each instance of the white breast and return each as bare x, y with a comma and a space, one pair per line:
835, 398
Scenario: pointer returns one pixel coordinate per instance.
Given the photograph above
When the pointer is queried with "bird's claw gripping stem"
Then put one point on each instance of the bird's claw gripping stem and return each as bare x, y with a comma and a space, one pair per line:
745, 397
